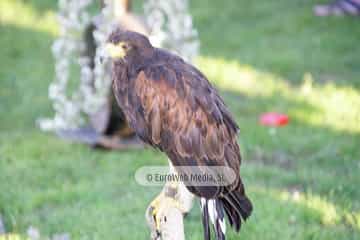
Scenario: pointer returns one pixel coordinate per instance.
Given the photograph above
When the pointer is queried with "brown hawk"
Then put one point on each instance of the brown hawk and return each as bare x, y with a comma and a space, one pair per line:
173, 107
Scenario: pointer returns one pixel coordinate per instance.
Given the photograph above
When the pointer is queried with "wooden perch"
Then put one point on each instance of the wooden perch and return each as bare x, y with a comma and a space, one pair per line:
165, 214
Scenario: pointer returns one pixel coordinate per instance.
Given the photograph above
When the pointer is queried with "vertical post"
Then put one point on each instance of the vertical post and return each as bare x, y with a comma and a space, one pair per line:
127, 5
173, 202
102, 3
124, 4
173, 228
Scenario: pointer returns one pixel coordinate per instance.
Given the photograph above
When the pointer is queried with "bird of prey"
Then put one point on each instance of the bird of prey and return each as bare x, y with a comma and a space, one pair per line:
173, 107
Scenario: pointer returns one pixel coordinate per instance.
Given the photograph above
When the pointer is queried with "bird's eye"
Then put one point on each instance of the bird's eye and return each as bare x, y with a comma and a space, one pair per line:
125, 47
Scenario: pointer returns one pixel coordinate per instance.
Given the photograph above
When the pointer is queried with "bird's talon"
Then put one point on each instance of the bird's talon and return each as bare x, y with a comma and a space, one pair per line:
158, 209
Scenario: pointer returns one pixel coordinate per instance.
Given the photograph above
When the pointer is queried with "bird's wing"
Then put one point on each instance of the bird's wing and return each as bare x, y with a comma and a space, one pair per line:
179, 112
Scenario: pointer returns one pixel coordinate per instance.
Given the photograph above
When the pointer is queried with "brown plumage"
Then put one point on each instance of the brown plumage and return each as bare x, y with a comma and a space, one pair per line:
173, 107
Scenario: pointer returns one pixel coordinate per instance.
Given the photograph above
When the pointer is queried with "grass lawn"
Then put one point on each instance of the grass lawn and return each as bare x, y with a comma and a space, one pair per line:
263, 56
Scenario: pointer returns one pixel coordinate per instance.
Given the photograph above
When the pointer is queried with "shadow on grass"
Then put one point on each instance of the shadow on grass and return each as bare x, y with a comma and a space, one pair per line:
93, 194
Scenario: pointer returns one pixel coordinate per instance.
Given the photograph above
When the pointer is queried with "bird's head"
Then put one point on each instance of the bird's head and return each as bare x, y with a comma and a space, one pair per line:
126, 44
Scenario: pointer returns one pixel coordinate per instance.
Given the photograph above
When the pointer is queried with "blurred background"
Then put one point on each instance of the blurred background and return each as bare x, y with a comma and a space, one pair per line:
263, 56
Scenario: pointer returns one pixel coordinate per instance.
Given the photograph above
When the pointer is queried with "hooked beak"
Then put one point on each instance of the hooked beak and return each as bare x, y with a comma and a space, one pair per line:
115, 51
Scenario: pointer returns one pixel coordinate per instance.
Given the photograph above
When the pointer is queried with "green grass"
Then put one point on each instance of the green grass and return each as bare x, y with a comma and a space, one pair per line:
263, 56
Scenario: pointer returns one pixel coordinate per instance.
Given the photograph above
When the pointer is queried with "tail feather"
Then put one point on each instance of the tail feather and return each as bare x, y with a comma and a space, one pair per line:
205, 218
219, 221
241, 204
213, 210
237, 206
233, 216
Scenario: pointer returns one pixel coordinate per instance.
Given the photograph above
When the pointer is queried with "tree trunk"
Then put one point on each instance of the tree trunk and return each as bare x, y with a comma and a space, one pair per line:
126, 4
